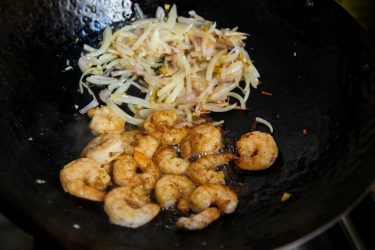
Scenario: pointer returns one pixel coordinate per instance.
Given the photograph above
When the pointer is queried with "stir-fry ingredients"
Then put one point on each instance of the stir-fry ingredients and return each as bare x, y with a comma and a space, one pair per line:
257, 150
185, 64
124, 169
164, 74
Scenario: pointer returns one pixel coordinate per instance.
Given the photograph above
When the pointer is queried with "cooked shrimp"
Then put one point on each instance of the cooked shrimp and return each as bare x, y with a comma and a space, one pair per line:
84, 178
202, 139
130, 207
214, 194
204, 171
129, 140
104, 148
108, 167
257, 151
160, 125
104, 121
147, 145
160, 119
171, 189
173, 136
168, 161
150, 172
125, 172
200, 220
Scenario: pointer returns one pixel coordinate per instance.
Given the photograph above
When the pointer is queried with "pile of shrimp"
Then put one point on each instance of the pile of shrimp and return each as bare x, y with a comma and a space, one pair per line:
138, 172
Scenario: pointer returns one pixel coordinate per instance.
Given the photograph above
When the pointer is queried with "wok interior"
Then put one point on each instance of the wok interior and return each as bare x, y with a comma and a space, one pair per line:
324, 89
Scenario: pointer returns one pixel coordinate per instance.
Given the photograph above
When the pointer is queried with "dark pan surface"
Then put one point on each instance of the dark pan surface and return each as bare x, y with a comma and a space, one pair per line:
328, 88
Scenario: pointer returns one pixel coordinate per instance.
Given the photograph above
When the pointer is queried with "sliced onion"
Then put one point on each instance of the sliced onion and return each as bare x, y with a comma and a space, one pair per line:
93, 104
123, 49
138, 11
160, 13
144, 113
141, 88
128, 99
175, 93
139, 24
107, 39
192, 13
142, 38
121, 73
88, 48
211, 65
104, 95
124, 115
154, 39
186, 20
101, 80
132, 108
84, 62
105, 58
189, 115
239, 98
217, 124
208, 90
181, 29
215, 108
247, 92
123, 87
224, 89
174, 81
113, 64
232, 55
186, 65
172, 17
262, 121
253, 75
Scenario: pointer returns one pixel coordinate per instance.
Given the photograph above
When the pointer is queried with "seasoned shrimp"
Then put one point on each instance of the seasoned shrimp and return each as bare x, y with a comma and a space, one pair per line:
160, 119
84, 178
168, 162
130, 207
104, 148
257, 151
173, 136
171, 189
108, 167
129, 140
160, 125
200, 220
125, 172
204, 171
104, 121
151, 173
202, 139
146, 145
214, 194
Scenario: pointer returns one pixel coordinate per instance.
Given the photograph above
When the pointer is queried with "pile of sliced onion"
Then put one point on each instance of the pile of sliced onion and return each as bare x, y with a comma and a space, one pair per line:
181, 63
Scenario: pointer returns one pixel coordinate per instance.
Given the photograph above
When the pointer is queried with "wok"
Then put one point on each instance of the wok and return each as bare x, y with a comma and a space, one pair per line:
311, 55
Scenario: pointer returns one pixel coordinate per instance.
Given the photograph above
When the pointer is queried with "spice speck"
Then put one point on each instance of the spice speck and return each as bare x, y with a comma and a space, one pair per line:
285, 196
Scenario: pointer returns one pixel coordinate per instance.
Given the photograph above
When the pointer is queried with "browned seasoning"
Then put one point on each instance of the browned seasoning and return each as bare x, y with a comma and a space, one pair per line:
305, 132
266, 93
285, 196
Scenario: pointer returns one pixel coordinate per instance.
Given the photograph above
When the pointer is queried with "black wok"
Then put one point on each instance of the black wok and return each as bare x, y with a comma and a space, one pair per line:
327, 88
